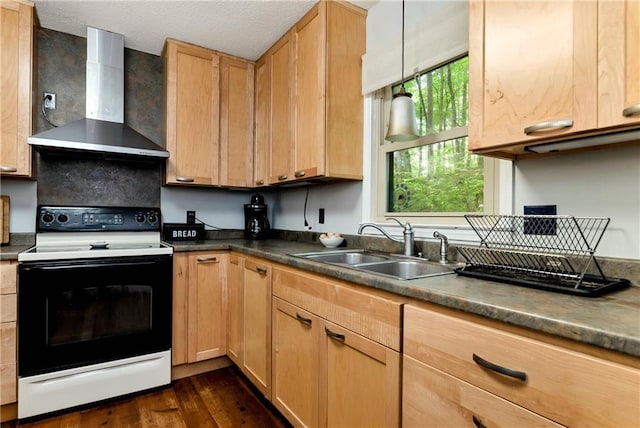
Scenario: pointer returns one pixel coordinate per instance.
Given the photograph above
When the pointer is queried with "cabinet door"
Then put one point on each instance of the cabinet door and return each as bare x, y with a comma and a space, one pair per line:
296, 371
8, 317
533, 70
618, 63
282, 75
431, 397
262, 133
236, 122
363, 381
235, 296
179, 348
16, 39
257, 324
207, 306
310, 93
192, 114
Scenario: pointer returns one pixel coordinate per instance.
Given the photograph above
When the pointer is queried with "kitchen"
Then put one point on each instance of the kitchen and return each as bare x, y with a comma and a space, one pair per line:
588, 188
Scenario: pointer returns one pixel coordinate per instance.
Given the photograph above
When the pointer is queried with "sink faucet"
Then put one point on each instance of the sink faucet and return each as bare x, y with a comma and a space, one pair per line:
444, 246
407, 230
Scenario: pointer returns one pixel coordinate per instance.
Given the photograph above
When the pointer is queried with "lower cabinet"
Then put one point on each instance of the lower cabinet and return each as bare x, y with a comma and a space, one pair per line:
325, 373
199, 306
8, 351
249, 319
468, 371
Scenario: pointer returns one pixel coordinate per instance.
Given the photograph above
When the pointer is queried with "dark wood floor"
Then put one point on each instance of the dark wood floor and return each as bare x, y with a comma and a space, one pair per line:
222, 398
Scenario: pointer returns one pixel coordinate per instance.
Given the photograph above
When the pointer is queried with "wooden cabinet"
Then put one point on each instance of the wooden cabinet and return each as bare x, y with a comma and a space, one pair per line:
454, 360
192, 85
316, 123
199, 306
249, 319
209, 116
236, 122
262, 122
16, 81
8, 319
343, 344
256, 348
550, 71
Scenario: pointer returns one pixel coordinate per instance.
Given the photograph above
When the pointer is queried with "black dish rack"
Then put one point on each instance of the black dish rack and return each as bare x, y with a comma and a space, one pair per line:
554, 253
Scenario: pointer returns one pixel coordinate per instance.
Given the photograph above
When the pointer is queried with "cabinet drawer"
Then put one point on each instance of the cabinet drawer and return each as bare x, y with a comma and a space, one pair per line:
8, 307
434, 398
8, 277
8, 383
8, 343
567, 386
365, 312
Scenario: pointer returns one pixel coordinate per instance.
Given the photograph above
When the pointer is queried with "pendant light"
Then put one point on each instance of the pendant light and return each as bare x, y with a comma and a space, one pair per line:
402, 117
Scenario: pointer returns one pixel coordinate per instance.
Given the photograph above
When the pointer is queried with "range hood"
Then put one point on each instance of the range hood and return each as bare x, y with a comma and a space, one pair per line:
103, 130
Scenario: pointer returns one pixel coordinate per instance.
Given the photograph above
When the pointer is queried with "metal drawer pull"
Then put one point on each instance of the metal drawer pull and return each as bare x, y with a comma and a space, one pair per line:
499, 369
207, 259
259, 182
478, 423
8, 169
630, 111
185, 179
336, 336
299, 174
548, 126
303, 320
282, 177
262, 270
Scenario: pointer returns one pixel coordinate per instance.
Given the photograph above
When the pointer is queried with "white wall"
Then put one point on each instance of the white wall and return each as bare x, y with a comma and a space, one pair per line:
22, 200
603, 183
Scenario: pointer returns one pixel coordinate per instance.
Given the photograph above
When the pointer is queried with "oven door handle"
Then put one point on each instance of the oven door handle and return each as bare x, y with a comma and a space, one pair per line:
72, 265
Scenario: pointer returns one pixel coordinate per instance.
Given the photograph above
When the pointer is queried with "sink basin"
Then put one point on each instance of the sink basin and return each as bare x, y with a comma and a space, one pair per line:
347, 257
406, 269
391, 265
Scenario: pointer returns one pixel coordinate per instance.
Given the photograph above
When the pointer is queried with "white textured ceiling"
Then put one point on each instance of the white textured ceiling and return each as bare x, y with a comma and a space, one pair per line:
237, 27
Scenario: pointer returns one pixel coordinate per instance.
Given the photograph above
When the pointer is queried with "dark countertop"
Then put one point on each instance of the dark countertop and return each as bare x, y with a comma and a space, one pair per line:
611, 322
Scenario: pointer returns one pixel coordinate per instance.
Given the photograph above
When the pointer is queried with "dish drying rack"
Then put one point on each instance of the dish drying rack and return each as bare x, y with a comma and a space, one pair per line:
546, 252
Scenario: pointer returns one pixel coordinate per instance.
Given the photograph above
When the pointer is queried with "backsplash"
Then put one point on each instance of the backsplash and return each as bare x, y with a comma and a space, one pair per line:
82, 179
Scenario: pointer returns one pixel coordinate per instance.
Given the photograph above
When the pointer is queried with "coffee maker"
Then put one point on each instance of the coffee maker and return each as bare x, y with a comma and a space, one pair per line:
256, 223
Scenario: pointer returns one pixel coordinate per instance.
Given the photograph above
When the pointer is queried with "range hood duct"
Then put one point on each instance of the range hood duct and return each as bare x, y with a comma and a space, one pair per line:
103, 130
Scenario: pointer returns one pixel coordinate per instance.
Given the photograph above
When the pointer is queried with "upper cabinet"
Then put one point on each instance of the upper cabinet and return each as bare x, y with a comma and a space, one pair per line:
16, 80
262, 122
316, 123
550, 71
208, 130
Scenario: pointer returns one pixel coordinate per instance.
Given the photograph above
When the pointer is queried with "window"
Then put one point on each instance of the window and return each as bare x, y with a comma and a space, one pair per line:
434, 177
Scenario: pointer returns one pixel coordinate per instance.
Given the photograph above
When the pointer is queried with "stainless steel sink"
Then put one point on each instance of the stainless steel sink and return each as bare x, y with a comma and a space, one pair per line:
391, 265
347, 257
407, 269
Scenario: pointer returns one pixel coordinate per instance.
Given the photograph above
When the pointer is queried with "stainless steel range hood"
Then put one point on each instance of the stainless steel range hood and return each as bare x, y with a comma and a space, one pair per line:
103, 130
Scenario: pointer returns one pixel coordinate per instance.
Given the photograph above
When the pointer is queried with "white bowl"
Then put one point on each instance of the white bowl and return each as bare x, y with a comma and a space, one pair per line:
332, 242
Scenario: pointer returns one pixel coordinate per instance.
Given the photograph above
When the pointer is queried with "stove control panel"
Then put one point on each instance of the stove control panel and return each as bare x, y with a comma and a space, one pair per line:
78, 219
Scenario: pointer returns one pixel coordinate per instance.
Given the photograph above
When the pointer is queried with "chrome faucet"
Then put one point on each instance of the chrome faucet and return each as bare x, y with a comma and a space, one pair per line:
444, 246
407, 231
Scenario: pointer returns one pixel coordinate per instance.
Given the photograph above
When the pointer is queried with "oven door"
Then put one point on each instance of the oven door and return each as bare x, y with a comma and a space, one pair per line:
81, 312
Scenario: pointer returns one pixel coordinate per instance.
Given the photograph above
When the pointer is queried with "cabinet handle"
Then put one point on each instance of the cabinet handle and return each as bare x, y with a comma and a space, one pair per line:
299, 174
630, 111
548, 126
261, 270
185, 179
207, 259
259, 182
282, 177
477, 422
336, 336
303, 320
8, 169
499, 369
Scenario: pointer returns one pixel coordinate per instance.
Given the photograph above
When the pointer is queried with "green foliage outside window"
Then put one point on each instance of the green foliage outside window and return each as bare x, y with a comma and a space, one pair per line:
441, 177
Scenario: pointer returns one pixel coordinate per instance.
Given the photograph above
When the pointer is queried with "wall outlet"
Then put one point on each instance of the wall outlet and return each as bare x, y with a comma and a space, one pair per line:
50, 100
191, 217
321, 216
540, 226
